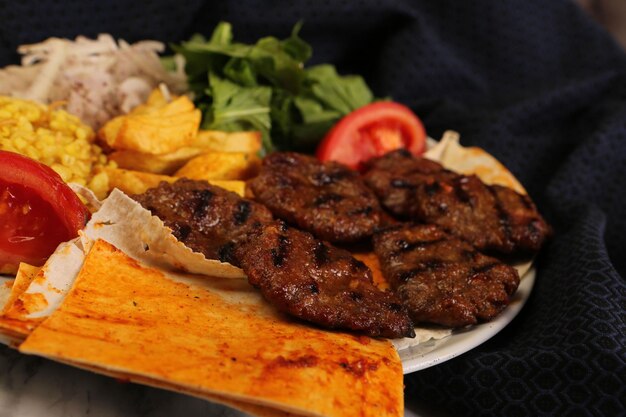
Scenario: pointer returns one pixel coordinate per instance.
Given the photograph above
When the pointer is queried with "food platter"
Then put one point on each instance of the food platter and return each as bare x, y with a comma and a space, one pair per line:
435, 352
133, 286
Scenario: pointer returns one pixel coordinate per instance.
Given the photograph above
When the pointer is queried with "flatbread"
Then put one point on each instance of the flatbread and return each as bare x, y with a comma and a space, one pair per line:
124, 223
472, 161
38, 292
216, 337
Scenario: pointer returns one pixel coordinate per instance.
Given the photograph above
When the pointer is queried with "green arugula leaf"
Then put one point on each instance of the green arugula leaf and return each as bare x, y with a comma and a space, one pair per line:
239, 108
265, 86
343, 94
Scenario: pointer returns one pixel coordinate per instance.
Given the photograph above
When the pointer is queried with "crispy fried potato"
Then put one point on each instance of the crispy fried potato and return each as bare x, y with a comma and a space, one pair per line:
165, 164
207, 141
155, 128
215, 140
221, 166
136, 182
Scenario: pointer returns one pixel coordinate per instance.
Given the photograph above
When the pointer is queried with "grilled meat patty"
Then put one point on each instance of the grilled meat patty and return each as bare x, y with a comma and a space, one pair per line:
206, 218
327, 199
294, 271
311, 279
492, 218
442, 279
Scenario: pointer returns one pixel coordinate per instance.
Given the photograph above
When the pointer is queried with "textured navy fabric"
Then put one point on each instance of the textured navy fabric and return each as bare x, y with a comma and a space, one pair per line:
534, 82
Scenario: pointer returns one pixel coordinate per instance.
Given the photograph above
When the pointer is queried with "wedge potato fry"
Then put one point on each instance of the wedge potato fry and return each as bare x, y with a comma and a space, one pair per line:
155, 128
165, 164
169, 163
221, 166
136, 182
218, 141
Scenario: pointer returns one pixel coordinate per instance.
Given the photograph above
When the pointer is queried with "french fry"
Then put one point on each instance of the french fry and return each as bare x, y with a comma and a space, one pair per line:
207, 141
157, 127
136, 182
218, 141
165, 164
221, 166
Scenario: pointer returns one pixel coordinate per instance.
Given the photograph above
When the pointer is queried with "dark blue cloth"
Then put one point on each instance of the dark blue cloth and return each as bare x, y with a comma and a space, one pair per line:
534, 82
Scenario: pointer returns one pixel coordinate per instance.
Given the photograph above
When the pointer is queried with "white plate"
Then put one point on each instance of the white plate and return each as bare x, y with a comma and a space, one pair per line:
434, 352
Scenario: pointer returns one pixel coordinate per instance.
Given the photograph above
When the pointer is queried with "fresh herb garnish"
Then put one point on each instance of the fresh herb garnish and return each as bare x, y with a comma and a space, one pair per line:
265, 86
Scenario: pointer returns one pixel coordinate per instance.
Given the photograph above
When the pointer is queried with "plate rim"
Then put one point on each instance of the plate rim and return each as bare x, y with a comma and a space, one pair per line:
464, 340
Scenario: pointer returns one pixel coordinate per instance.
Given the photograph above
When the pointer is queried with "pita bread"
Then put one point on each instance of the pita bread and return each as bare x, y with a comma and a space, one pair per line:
124, 223
471, 161
216, 337
6, 284
38, 292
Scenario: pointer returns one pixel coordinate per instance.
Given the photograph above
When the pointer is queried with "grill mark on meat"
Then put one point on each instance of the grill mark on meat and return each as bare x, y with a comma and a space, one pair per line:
356, 265
280, 253
528, 205
432, 188
405, 246
203, 198
400, 183
427, 266
356, 296
366, 211
460, 192
469, 255
327, 178
242, 212
321, 254
485, 268
327, 198
181, 232
395, 307
503, 216
225, 252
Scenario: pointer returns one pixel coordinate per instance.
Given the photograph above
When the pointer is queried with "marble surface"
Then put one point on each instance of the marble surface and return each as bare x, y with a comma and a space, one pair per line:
33, 387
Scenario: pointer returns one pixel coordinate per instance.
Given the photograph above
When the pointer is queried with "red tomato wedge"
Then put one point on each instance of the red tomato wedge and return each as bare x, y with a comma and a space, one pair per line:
373, 130
37, 211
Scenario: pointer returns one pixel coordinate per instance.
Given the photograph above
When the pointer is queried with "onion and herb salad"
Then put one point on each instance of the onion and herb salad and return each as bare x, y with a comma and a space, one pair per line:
96, 79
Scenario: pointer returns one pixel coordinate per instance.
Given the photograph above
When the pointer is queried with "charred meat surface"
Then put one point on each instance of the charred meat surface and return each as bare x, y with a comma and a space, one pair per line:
296, 272
492, 218
327, 199
206, 218
317, 282
442, 279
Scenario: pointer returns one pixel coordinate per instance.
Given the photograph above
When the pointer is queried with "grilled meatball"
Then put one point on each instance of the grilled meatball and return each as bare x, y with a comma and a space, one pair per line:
442, 279
492, 218
319, 283
299, 274
206, 218
327, 199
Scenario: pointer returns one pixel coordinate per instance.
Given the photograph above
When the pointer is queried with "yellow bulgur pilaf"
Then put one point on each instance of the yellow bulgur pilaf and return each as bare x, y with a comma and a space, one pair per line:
55, 138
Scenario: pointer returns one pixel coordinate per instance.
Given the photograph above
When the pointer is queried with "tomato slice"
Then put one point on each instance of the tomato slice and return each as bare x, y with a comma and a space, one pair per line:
373, 130
37, 211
